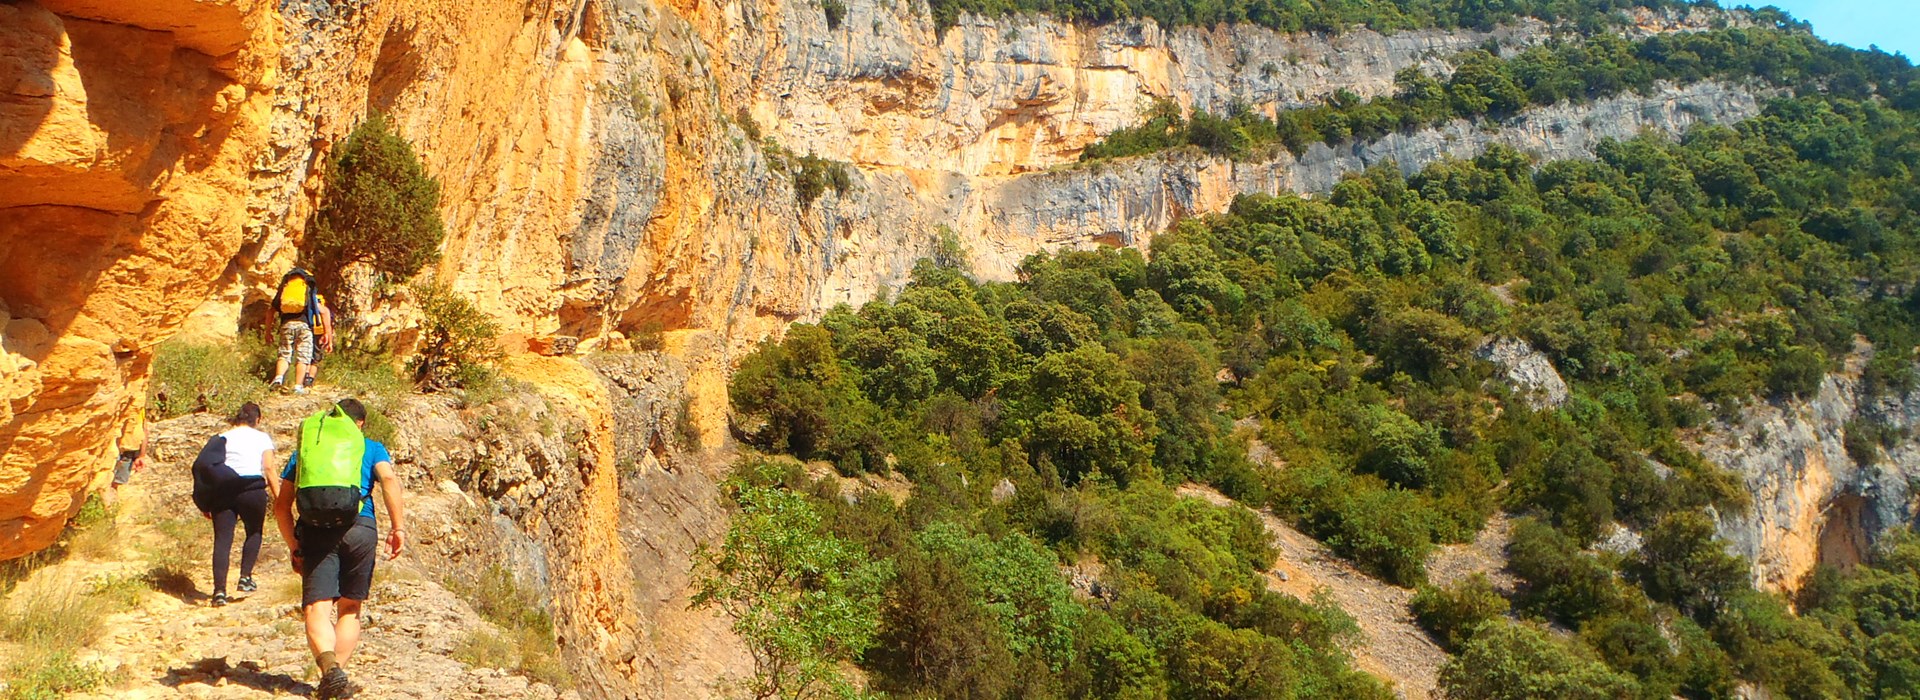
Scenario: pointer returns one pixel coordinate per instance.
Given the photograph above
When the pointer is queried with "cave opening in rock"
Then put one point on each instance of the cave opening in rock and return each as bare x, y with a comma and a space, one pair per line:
1845, 532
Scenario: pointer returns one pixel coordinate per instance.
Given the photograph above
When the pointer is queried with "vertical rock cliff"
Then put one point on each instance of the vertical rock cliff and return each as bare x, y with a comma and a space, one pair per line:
1813, 503
127, 134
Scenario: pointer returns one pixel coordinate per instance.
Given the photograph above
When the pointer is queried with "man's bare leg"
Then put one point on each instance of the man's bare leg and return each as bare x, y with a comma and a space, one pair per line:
320, 633
346, 632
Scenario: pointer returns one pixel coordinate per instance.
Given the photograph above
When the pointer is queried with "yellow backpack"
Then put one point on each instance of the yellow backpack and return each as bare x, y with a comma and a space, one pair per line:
293, 296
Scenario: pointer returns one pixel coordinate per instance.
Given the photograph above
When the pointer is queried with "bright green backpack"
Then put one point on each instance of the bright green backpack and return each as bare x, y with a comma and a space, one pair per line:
328, 475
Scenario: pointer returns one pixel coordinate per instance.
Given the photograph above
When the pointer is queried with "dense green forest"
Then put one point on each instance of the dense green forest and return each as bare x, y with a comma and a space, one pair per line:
1669, 282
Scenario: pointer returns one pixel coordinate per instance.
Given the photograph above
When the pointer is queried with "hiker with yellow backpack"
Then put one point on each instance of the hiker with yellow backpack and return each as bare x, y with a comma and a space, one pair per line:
297, 305
334, 540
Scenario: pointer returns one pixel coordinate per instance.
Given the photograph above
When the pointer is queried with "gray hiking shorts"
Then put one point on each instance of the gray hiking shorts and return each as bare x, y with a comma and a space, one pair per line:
296, 342
123, 467
337, 563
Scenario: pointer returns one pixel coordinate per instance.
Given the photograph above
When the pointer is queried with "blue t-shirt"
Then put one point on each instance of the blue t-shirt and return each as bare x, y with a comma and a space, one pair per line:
375, 454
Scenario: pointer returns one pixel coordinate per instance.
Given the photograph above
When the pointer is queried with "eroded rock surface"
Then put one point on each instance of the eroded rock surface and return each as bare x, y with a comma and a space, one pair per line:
1813, 503
127, 130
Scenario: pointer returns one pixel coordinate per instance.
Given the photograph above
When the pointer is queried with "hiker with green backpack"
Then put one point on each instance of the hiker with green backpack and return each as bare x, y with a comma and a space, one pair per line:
330, 477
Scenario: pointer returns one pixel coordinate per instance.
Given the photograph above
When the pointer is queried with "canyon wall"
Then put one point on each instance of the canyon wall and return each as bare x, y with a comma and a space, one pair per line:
1813, 502
127, 134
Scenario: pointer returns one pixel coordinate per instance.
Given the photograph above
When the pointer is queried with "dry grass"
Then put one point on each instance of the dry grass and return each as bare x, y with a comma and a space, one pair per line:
524, 642
49, 620
95, 532
484, 647
176, 553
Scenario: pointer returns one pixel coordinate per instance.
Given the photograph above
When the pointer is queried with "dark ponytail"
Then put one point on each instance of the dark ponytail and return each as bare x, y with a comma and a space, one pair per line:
248, 415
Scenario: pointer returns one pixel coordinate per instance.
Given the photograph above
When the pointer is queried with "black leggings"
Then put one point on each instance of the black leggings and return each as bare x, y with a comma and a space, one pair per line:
250, 508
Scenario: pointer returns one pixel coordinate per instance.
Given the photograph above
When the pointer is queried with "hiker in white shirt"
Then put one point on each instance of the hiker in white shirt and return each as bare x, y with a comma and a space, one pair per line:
244, 498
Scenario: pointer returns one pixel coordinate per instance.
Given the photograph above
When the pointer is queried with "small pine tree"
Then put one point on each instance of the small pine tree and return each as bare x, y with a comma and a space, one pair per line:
380, 207
458, 344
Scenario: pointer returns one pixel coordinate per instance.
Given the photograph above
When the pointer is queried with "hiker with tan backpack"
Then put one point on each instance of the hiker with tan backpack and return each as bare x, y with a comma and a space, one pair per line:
296, 303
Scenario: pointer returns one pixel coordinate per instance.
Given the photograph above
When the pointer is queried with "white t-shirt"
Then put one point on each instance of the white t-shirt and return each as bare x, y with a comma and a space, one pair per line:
245, 446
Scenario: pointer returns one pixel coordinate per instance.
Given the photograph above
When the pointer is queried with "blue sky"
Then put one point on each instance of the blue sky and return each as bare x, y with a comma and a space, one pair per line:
1892, 24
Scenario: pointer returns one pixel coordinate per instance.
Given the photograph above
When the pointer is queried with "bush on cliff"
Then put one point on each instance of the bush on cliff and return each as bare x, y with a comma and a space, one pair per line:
803, 600
379, 207
459, 344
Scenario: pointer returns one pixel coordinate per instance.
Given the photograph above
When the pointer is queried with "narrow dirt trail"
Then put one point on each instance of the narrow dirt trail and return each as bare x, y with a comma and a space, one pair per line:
1486, 554
169, 643
1391, 646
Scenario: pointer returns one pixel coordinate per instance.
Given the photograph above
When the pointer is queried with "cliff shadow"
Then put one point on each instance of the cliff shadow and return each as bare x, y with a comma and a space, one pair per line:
395, 68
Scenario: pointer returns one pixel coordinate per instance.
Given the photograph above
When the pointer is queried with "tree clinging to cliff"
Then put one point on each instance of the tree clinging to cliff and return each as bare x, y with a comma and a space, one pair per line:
380, 206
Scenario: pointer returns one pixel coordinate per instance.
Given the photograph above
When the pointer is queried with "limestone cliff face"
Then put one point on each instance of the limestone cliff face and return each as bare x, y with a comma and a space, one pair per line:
127, 131
1813, 503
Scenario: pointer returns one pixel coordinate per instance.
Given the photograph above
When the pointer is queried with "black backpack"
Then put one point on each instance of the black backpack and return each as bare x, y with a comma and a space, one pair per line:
214, 483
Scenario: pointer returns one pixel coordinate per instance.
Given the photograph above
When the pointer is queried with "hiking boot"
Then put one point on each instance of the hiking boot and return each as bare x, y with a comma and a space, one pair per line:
334, 685
219, 599
247, 585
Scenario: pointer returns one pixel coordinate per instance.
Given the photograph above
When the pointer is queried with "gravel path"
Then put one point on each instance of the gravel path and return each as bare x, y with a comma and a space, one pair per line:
172, 644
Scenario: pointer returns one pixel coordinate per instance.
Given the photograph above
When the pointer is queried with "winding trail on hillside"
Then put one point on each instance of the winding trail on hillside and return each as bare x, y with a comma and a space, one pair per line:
1391, 646
172, 644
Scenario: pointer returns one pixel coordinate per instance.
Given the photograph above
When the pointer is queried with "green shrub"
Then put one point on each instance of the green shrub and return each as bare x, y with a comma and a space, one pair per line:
1682, 563
802, 600
194, 377
459, 344
1451, 614
1507, 661
379, 207
1016, 582
935, 638
364, 371
1563, 583
525, 642
813, 175
836, 12
49, 676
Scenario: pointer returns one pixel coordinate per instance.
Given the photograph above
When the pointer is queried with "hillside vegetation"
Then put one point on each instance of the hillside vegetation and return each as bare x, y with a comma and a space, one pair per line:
1324, 16
1484, 86
1669, 282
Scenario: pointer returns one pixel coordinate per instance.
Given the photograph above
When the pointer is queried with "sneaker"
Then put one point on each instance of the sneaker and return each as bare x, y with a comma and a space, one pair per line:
219, 599
275, 385
300, 390
334, 685
247, 585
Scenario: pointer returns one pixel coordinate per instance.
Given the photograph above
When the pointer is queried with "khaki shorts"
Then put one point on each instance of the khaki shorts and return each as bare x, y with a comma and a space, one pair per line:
296, 342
